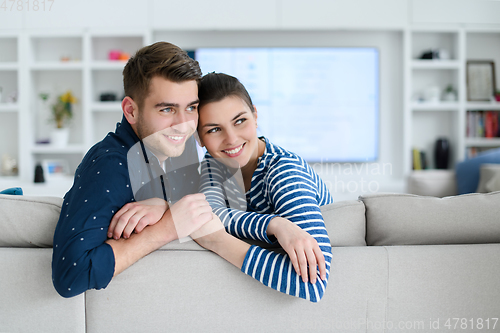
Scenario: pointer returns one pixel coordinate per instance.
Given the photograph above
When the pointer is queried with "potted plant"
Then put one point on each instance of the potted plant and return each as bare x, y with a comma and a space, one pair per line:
61, 113
449, 94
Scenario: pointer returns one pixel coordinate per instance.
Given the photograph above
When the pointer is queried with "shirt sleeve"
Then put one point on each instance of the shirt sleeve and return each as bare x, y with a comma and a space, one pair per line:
229, 203
295, 197
81, 259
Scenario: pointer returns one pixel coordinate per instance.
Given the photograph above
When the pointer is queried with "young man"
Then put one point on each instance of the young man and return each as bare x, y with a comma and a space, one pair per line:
159, 117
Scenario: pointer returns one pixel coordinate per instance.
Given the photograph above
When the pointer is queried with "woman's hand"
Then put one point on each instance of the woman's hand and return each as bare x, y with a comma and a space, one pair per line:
301, 247
136, 216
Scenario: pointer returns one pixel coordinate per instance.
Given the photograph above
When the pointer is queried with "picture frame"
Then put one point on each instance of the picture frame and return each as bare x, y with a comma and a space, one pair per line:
55, 169
481, 85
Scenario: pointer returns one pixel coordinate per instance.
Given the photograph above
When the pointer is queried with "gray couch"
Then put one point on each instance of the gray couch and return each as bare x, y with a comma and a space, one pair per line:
400, 263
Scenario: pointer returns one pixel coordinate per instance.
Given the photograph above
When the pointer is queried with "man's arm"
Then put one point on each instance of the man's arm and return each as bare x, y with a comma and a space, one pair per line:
183, 218
128, 251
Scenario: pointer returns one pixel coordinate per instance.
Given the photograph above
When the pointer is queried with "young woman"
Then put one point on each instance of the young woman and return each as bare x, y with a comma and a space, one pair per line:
277, 195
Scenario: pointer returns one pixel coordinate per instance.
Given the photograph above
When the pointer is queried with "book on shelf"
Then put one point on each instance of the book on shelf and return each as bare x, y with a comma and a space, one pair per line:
419, 160
483, 124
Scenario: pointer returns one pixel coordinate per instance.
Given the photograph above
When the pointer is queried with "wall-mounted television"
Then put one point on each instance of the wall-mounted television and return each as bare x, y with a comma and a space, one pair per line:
321, 103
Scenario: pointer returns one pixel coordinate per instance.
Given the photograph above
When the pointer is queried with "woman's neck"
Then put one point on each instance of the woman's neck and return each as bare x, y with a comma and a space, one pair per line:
248, 170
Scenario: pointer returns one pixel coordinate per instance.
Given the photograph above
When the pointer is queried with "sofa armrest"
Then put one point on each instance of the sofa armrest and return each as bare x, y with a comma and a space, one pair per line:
434, 183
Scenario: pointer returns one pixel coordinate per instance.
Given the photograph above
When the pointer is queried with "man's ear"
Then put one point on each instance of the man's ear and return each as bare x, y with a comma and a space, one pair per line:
130, 110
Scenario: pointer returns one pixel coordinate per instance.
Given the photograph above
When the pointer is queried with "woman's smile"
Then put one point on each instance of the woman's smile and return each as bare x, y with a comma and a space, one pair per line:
234, 152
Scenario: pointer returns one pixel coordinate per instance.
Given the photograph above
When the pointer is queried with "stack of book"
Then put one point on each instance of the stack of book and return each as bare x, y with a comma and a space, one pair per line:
483, 124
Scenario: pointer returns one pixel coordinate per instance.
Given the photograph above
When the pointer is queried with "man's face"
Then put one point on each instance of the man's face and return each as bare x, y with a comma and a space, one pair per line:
169, 116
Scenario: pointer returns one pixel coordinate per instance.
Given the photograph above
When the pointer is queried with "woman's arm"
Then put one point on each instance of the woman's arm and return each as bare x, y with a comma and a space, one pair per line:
222, 191
294, 196
270, 268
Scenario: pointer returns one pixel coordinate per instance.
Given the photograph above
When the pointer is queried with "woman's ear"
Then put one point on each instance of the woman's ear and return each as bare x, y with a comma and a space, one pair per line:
130, 110
255, 114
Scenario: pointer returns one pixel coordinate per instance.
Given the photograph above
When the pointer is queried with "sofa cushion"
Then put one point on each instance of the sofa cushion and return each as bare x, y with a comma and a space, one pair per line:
28, 221
28, 300
345, 223
405, 219
434, 283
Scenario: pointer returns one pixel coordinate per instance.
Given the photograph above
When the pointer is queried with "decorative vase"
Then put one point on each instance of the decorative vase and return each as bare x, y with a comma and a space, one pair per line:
59, 137
442, 153
39, 178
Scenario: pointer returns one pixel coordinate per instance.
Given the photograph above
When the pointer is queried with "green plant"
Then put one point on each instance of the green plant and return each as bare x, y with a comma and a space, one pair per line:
449, 89
62, 109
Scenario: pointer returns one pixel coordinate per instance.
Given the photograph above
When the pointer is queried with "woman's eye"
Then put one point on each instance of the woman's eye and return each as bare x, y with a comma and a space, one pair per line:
239, 121
213, 130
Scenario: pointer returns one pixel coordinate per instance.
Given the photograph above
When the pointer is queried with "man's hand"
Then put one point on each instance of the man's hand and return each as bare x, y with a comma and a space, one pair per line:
301, 247
136, 216
190, 213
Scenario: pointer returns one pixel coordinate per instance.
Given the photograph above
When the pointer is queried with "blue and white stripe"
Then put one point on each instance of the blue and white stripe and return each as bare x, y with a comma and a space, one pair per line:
282, 185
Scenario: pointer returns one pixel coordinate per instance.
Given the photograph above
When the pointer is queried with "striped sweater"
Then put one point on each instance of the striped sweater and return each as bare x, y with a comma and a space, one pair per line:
282, 185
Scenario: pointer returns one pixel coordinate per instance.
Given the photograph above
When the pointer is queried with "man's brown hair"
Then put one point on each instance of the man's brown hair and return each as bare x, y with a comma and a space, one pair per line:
159, 59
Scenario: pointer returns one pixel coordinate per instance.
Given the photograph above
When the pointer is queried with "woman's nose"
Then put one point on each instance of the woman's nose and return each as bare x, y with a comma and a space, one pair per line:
231, 137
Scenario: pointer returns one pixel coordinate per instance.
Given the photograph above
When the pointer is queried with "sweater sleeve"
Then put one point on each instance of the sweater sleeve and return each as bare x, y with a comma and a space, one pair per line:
81, 259
295, 197
229, 203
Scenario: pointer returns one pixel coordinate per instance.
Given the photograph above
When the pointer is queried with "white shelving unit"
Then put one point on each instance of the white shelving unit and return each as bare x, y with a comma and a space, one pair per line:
10, 78
425, 122
54, 62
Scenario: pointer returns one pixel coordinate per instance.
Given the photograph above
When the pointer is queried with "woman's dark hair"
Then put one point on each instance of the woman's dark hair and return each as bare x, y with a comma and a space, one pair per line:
214, 87
159, 59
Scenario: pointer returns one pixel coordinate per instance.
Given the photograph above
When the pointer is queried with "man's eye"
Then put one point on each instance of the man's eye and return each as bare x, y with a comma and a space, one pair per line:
192, 108
167, 110
213, 130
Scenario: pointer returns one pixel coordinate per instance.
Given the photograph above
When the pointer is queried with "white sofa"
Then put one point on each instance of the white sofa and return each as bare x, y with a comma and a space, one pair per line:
400, 263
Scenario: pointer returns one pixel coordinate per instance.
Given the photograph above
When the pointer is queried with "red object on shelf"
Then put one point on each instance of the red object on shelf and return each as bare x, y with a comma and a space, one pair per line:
497, 97
114, 55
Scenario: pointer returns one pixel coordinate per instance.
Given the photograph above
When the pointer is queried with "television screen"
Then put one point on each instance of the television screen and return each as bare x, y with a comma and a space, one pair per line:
321, 103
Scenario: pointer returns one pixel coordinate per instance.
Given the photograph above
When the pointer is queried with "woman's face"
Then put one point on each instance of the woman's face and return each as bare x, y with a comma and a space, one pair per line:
228, 129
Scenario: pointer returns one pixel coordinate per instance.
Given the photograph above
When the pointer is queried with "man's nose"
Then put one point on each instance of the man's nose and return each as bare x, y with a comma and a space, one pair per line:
182, 123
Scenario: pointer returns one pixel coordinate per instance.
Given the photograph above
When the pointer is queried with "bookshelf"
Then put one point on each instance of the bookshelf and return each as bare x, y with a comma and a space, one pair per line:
426, 121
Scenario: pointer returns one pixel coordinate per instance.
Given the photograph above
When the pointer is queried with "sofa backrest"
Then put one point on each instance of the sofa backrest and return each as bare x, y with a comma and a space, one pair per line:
28, 221
405, 219
381, 219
